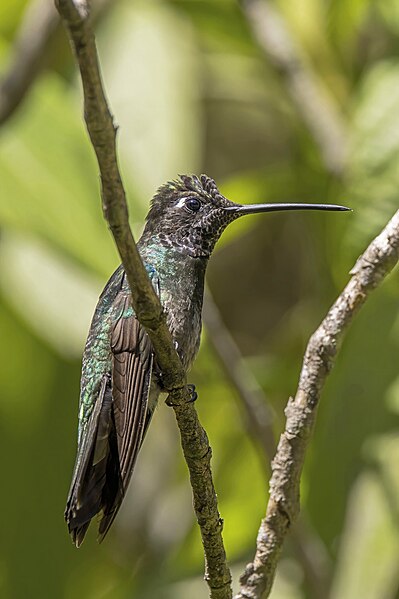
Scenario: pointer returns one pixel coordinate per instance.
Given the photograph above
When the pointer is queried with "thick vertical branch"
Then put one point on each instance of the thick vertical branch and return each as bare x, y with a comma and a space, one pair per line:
283, 507
195, 443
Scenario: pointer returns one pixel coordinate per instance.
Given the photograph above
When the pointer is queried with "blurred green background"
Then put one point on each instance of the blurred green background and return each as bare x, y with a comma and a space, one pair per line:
193, 91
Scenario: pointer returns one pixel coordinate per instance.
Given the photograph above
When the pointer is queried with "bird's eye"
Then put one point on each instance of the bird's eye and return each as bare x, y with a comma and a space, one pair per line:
193, 204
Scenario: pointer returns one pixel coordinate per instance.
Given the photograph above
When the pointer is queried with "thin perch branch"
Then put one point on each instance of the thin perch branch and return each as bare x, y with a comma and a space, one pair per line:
40, 23
32, 52
283, 507
197, 451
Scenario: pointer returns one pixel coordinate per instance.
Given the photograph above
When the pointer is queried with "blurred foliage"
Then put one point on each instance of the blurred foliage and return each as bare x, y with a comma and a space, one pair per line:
192, 92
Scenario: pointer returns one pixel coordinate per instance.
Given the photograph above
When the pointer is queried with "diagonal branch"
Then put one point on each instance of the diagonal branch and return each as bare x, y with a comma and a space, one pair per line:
258, 417
315, 105
283, 507
75, 14
32, 52
39, 25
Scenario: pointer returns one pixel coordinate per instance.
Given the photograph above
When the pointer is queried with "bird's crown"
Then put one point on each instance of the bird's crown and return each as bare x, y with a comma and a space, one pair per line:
189, 214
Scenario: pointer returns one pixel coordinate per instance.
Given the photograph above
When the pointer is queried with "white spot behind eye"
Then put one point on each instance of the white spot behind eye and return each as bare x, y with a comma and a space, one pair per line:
181, 203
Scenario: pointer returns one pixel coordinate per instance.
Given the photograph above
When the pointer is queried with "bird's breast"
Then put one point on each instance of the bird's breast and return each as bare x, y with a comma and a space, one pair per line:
180, 284
184, 322
181, 294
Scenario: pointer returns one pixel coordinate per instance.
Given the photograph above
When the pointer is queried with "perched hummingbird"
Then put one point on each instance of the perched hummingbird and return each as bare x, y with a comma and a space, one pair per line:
121, 382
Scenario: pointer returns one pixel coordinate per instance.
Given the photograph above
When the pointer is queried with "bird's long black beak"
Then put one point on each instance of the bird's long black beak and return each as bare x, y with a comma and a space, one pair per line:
241, 209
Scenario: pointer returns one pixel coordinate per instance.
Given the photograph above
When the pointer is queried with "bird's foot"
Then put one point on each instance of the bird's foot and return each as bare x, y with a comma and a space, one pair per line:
193, 393
193, 396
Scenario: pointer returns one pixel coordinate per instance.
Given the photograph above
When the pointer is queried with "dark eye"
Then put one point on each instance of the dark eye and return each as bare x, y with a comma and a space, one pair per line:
193, 204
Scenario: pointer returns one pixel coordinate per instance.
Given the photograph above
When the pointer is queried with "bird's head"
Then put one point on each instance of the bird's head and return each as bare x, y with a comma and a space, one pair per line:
190, 214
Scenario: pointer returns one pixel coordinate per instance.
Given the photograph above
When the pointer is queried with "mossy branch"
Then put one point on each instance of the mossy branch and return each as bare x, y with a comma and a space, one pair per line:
196, 448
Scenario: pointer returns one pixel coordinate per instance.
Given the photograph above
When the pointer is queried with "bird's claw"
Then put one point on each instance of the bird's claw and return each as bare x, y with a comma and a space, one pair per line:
193, 396
193, 393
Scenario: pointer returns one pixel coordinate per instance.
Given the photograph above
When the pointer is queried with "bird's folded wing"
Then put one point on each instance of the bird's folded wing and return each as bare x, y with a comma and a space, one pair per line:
85, 494
131, 378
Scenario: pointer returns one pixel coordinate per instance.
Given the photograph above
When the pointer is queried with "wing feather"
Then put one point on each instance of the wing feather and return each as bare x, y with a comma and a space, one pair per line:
131, 376
84, 499
132, 359
111, 438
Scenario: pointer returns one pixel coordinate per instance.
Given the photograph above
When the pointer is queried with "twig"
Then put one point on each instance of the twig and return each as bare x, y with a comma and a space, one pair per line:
38, 27
31, 52
197, 451
315, 105
283, 507
259, 417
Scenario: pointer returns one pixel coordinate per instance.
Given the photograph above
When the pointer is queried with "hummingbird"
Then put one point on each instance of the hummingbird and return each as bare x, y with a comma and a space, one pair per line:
121, 381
